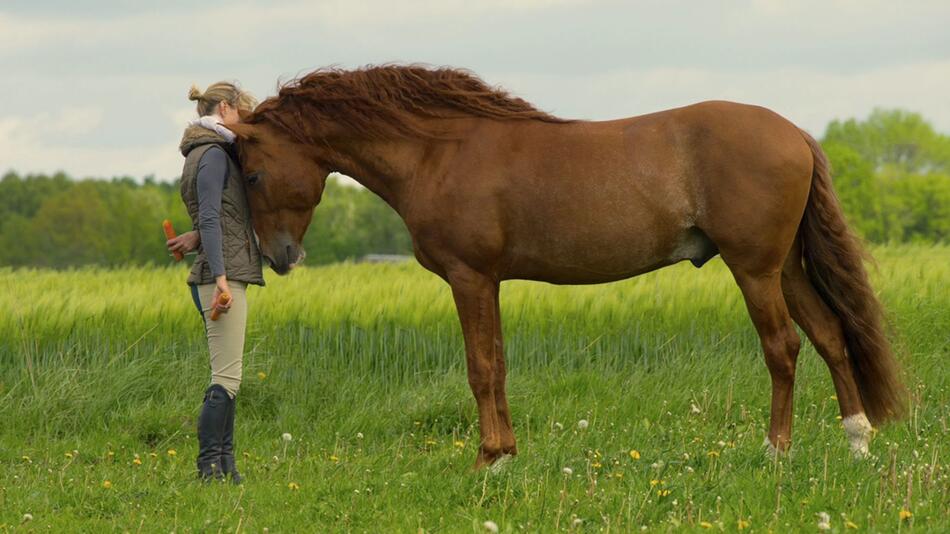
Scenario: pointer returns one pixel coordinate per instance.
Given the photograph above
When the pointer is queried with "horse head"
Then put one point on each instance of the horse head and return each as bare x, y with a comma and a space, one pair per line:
284, 183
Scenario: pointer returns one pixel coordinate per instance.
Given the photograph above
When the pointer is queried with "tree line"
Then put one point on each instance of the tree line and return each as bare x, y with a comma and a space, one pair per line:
891, 172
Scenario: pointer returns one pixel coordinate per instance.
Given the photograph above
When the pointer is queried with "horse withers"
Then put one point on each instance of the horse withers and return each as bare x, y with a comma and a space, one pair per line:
491, 189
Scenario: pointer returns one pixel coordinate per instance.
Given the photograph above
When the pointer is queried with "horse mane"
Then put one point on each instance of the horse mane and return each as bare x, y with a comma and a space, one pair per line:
388, 101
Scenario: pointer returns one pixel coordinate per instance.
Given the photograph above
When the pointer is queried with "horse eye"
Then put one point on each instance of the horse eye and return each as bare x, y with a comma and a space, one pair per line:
253, 177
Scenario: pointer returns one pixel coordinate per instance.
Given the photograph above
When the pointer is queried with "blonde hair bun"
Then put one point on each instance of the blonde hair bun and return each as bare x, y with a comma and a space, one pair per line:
194, 93
216, 93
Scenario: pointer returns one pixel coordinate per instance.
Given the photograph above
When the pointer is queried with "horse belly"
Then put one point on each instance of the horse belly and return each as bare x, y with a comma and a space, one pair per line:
605, 250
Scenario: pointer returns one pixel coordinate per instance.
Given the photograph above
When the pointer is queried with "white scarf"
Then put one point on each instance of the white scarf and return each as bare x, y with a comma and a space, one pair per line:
213, 123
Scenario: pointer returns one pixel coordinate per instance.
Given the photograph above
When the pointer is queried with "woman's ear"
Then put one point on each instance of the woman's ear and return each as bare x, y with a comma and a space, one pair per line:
243, 131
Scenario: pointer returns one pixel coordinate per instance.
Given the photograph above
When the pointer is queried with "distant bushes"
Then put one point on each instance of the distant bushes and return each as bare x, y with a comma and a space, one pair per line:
53, 221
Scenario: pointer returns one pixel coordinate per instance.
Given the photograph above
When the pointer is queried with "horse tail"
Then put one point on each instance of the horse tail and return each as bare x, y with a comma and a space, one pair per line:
833, 260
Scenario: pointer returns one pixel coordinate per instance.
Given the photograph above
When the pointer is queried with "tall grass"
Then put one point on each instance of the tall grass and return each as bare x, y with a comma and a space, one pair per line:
101, 361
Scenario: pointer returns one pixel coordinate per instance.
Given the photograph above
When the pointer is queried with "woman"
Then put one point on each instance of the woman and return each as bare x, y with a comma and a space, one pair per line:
228, 260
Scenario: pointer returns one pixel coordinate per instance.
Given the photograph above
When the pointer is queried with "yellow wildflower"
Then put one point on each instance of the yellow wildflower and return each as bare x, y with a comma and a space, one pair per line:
705, 524
69, 455
743, 524
26, 459
634, 454
654, 482
849, 524
430, 441
293, 486
137, 460
663, 492
459, 444
261, 375
833, 397
906, 514
106, 484
153, 455
334, 458
172, 452
713, 454
596, 465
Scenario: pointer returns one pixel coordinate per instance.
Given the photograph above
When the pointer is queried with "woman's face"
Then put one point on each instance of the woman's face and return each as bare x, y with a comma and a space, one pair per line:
229, 113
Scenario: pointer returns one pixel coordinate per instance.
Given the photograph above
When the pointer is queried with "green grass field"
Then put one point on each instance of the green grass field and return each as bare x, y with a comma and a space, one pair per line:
102, 374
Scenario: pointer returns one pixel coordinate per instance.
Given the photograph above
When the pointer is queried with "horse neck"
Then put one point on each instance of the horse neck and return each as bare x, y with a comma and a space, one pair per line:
387, 168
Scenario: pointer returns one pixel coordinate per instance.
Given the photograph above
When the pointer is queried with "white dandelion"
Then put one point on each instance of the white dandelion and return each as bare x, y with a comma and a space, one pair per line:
582, 424
567, 471
491, 526
286, 436
824, 521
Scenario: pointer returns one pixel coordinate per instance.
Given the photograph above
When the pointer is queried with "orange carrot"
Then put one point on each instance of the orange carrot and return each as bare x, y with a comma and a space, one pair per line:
170, 234
223, 299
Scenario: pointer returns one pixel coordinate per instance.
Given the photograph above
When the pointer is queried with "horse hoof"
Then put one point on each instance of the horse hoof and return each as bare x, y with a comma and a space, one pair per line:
772, 452
859, 430
500, 464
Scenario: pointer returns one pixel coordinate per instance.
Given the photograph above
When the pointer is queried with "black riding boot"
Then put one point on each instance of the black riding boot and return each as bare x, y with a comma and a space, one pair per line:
228, 465
211, 426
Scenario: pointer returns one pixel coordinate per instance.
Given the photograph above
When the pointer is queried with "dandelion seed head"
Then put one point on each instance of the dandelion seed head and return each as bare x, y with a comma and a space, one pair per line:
567, 471
286, 436
27, 517
582, 424
491, 526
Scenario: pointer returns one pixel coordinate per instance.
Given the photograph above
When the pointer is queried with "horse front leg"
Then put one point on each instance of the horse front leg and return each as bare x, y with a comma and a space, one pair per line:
476, 299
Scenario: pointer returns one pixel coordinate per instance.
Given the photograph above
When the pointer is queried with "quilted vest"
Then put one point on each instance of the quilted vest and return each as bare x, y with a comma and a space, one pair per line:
242, 258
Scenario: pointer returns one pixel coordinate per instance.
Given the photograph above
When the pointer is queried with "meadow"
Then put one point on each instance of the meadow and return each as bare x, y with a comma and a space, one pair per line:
639, 406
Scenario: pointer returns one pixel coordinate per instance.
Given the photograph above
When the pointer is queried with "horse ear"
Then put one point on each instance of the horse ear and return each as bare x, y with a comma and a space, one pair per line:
244, 132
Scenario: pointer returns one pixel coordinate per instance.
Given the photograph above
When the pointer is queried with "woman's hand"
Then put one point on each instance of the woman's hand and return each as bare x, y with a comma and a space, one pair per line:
221, 288
184, 243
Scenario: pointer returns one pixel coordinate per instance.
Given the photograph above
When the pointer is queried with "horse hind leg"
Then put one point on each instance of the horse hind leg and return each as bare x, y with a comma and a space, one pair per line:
823, 328
759, 278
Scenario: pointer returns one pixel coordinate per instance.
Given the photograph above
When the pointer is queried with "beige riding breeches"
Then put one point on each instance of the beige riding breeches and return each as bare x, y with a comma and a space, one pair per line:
226, 335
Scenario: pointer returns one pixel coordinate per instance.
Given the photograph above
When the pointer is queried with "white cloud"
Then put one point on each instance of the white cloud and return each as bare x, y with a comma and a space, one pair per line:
809, 98
34, 144
101, 93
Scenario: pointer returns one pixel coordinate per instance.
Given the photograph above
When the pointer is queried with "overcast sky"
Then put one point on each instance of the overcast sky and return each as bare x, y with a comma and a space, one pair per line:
99, 88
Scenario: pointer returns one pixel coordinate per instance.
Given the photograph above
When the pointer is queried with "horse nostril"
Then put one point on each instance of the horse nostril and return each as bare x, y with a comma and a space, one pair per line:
290, 258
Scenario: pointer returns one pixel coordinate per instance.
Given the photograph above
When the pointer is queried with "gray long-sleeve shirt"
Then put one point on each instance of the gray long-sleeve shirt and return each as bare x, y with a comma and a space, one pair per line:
212, 179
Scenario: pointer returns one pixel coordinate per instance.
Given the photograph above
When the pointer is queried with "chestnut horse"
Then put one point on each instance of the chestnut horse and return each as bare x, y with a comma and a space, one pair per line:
493, 189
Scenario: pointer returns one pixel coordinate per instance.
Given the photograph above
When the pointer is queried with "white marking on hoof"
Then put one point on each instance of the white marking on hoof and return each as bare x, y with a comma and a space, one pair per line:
858, 429
770, 449
500, 464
